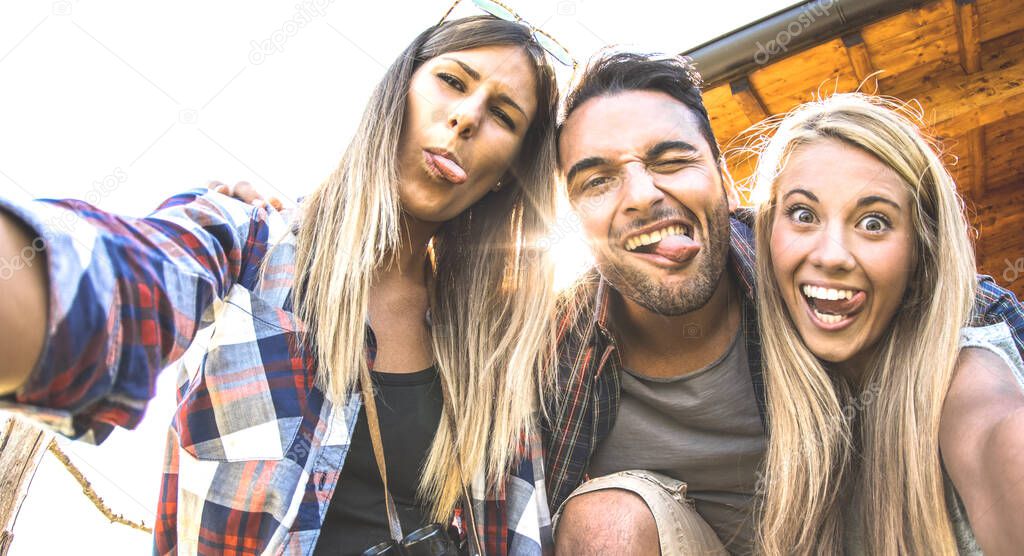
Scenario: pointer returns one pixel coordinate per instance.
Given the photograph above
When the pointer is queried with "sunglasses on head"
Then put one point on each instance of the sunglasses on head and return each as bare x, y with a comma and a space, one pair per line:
501, 11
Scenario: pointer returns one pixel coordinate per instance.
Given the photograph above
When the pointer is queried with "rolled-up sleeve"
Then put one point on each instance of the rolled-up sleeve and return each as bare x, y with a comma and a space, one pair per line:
126, 297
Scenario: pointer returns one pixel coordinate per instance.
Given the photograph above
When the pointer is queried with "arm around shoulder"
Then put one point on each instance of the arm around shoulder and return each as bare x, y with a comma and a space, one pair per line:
981, 435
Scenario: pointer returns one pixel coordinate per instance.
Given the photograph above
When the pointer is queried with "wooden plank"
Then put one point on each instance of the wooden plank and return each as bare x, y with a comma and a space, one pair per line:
860, 61
748, 100
727, 117
976, 150
987, 110
1000, 218
815, 73
1004, 141
904, 84
21, 448
968, 35
999, 18
955, 105
957, 160
912, 39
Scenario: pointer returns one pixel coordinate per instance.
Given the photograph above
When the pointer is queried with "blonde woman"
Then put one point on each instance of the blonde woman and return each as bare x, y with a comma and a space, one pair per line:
886, 436
412, 260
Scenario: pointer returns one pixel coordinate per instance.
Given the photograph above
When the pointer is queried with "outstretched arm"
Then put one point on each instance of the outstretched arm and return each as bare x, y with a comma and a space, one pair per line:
23, 303
981, 435
121, 299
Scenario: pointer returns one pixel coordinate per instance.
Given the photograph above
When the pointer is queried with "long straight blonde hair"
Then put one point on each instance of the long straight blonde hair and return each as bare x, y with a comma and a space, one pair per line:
490, 288
828, 439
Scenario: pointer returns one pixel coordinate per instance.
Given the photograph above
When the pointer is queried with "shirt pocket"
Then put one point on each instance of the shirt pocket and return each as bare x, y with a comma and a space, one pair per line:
246, 388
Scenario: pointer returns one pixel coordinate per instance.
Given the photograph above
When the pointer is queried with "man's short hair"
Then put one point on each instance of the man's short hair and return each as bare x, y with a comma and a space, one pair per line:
626, 71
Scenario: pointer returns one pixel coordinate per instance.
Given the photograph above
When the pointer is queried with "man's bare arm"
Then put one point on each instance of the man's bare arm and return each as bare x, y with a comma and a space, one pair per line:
23, 303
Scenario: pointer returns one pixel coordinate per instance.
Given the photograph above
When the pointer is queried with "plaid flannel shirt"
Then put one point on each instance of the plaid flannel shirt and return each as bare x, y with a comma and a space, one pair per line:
255, 449
584, 408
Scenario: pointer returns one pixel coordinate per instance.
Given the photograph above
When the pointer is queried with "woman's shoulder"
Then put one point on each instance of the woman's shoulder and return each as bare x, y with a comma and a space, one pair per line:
998, 339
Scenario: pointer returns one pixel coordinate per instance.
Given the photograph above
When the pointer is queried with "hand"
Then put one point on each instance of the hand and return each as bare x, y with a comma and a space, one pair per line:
245, 192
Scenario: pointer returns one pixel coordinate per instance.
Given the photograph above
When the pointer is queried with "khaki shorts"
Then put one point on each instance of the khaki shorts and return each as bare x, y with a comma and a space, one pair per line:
681, 530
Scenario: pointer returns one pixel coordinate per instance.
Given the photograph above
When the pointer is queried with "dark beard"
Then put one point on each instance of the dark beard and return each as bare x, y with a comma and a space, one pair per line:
654, 296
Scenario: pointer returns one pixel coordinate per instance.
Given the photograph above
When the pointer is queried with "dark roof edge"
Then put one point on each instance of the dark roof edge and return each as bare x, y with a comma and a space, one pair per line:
785, 33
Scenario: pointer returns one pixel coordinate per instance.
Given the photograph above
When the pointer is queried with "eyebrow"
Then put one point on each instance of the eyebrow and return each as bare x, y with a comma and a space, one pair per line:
475, 75
465, 67
872, 199
803, 192
664, 146
585, 164
653, 152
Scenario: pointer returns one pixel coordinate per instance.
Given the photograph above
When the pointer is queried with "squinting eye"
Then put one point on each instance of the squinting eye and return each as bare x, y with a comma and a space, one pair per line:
505, 118
874, 224
595, 182
452, 81
670, 166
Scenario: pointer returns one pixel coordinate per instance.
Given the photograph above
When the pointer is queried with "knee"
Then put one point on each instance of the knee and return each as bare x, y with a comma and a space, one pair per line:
611, 521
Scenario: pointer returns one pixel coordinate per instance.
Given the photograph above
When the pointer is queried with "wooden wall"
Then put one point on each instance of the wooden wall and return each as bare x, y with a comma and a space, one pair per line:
962, 61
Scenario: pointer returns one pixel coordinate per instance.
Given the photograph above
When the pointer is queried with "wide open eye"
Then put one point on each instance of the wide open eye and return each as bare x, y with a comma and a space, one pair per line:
801, 214
874, 223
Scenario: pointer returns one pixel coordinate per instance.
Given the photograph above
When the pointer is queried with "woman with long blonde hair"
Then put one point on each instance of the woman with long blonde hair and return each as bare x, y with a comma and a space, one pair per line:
413, 266
885, 435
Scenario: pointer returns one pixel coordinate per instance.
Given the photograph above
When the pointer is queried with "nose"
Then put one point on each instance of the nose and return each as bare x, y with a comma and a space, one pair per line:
641, 193
464, 116
831, 252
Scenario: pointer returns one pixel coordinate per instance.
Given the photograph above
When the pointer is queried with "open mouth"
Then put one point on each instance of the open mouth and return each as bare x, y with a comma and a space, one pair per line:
833, 307
669, 245
647, 243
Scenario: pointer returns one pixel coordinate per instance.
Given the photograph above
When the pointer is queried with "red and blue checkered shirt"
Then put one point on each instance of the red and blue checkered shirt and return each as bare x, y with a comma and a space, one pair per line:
255, 449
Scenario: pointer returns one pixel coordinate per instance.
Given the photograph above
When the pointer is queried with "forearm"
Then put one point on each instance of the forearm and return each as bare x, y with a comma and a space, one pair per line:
92, 314
981, 436
996, 516
23, 304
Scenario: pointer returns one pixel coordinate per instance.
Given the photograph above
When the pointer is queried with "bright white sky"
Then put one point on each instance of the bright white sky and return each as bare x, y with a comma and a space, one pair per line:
124, 103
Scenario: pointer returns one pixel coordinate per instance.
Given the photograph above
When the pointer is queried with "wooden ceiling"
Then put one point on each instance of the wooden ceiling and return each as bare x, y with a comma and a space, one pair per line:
962, 60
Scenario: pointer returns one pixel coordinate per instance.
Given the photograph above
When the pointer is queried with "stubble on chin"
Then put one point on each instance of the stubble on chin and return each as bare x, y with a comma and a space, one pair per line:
685, 296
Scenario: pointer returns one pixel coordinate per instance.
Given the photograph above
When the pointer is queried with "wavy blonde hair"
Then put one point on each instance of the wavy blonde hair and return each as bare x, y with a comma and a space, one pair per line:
490, 289
813, 457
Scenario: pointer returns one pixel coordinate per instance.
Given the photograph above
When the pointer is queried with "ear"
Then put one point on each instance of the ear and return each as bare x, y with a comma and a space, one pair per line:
729, 185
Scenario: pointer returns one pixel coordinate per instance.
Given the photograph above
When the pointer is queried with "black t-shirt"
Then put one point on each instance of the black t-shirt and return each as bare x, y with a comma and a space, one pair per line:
409, 410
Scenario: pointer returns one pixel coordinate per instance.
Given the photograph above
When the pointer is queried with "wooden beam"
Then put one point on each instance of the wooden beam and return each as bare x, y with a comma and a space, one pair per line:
968, 33
21, 448
860, 60
996, 108
976, 150
748, 100
955, 104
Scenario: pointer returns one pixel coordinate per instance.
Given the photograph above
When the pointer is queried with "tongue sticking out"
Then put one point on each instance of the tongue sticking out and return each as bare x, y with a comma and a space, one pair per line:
676, 248
839, 306
448, 168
